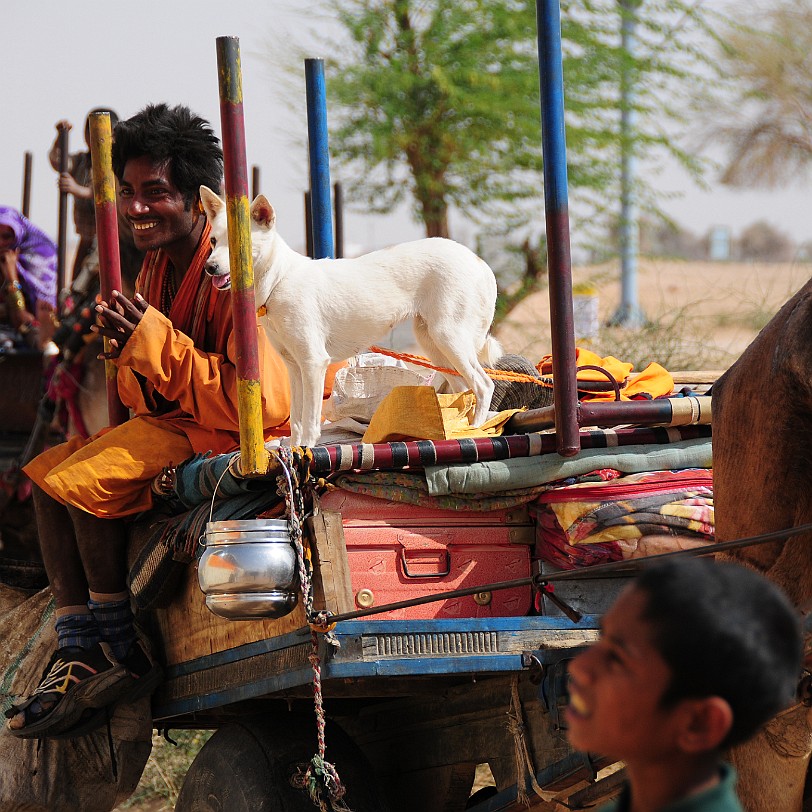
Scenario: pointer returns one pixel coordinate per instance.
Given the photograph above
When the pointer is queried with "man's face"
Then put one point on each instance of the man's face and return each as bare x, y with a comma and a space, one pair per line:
616, 687
153, 206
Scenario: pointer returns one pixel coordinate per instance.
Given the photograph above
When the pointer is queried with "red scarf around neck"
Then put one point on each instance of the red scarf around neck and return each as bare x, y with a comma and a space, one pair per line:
198, 309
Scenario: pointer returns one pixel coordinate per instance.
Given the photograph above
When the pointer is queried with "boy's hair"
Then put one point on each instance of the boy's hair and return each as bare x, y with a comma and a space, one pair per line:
725, 631
174, 136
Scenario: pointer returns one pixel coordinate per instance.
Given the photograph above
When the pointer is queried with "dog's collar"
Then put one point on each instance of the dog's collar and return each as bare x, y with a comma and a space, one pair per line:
262, 311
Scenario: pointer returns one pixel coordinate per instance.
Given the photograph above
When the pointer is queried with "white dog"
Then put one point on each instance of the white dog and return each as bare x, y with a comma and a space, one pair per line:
325, 310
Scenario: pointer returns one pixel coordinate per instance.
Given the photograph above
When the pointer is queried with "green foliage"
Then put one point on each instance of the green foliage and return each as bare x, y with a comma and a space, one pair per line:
437, 101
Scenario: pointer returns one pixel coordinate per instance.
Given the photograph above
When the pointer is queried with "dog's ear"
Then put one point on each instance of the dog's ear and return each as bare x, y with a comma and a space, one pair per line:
262, 212
212, 203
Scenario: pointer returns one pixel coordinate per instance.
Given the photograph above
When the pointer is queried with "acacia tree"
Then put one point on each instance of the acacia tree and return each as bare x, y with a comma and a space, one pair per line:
438, 100
765, 120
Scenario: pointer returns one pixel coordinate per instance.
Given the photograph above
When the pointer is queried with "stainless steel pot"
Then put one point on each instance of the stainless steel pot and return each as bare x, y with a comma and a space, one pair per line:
248, 569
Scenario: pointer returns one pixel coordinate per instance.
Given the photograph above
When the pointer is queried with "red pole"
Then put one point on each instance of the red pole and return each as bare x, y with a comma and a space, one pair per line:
104, 197
254, 456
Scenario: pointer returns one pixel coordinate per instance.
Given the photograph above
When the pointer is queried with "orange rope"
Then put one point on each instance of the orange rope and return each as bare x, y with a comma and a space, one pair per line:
496, 374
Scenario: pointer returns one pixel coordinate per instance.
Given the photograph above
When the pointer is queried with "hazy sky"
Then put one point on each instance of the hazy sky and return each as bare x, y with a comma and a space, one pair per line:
61, 59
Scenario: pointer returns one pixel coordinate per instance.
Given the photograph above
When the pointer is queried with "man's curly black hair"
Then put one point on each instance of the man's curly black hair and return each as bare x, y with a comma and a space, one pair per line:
174, 136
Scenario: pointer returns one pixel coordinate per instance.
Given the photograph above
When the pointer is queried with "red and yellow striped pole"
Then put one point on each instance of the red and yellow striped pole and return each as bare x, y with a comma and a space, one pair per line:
253, 455
104, 197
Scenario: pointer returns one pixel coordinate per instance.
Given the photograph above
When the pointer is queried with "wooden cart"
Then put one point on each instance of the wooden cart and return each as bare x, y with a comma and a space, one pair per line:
413, 706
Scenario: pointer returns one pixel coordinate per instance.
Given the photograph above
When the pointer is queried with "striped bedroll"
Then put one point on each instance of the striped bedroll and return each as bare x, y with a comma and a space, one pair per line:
418, 453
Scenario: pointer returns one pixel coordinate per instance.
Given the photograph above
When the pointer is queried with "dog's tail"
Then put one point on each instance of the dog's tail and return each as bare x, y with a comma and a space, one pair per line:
491, 352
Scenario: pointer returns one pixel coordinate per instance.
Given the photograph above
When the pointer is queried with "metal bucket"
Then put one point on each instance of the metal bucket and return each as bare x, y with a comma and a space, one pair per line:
248, 569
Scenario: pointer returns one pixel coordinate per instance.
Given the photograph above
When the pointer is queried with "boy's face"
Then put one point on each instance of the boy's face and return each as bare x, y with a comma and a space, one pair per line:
616, 687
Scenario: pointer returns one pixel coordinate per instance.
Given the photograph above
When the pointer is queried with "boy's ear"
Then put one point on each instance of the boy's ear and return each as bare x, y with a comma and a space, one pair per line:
705, 724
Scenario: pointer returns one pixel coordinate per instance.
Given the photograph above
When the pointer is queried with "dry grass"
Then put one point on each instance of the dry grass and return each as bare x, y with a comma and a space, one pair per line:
166, 768
702, 315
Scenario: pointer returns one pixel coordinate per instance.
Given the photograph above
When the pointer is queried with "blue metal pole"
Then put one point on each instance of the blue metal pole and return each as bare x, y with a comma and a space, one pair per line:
628, 313
321, 207
556, 204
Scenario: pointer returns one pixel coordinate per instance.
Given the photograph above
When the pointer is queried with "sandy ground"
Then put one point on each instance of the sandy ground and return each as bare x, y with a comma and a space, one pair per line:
706, 312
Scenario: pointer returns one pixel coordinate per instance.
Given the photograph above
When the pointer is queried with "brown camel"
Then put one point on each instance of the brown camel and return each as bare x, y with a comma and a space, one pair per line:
762, 462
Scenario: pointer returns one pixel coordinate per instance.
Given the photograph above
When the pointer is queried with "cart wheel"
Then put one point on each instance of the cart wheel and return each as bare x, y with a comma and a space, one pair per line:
248, 766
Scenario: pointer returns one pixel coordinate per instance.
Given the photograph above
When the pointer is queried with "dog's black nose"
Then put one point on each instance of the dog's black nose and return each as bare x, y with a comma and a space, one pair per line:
212, 270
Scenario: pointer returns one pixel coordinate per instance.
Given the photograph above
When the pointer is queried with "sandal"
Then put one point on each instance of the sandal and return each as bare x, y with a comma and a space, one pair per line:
76, 686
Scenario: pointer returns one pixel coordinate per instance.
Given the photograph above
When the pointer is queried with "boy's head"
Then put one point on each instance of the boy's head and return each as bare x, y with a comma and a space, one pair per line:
694, 657
175, 138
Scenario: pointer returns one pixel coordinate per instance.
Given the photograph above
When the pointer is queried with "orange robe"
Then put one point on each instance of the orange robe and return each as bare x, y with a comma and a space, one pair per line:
183, 397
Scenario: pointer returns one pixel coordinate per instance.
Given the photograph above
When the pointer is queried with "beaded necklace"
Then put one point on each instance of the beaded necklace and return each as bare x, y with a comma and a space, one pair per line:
169, 291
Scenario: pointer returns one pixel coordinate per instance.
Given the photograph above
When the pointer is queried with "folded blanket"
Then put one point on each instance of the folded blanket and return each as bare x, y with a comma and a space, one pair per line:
527, 472
589, 524
411, 488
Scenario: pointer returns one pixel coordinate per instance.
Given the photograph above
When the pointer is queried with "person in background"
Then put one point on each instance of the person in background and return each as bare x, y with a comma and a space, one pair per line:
78, 182
28, 269
694, 657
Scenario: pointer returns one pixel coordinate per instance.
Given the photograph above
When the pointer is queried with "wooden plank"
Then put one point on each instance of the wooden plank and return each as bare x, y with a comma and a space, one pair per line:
332, 589
189, 630
606, 787
697, 376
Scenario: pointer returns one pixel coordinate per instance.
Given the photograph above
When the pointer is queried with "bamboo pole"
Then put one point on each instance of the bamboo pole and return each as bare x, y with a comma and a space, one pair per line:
104, 199
254, 456
28, 162
62, 221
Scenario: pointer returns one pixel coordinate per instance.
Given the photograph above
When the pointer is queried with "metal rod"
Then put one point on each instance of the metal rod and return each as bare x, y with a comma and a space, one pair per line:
104, 199
628, 313
556, 205
254, 181
28, 161
614, 413
308, 208
338, 203
62, 221
254, 456
320, 205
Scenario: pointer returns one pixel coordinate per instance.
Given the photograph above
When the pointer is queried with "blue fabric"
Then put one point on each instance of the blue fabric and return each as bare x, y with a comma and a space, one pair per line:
115, 624
77, 630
